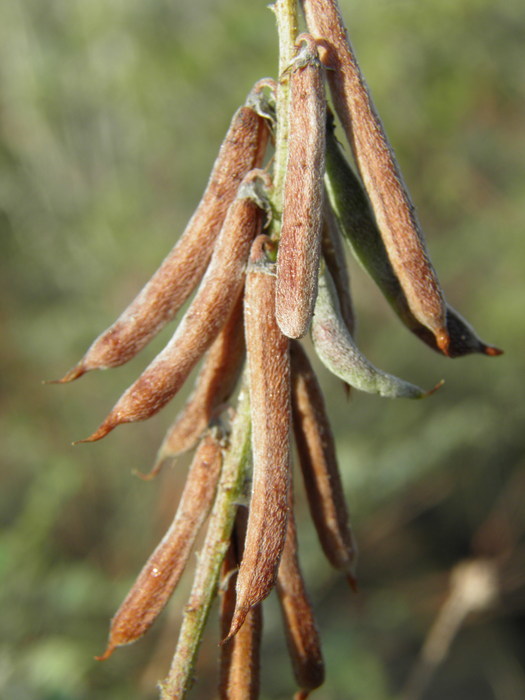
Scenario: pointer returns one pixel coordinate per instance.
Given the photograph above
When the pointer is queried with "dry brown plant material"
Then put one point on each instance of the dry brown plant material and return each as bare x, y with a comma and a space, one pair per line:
242, 150
352, 209
269, 386
300, 241
240, 656
302, 637
214, 386
317, 456
161, 573
389, 197
210, 309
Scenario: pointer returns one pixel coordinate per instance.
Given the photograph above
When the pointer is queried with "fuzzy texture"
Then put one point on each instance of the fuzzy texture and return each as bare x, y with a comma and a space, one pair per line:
269, 385
161, 573
208, 312
302, 636
240, 656
391, 203
161, 298
214, 385
317, 457
300, 239
359, 227
334, 257
338, 352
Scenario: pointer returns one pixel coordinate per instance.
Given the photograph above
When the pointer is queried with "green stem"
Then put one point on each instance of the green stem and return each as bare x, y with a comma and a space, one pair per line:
204, 589
286, 16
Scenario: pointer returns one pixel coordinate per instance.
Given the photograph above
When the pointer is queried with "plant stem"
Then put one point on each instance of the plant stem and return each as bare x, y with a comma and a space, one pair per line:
286, 16
229, 492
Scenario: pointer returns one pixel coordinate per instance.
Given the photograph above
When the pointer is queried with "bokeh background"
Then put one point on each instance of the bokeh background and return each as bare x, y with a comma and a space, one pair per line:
111, 113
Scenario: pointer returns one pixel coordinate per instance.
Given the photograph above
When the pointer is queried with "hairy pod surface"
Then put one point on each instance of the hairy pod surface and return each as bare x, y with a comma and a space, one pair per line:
318, 460
338, 352
300, 240
391, 203
240, 656
269, 385
159, 301
357, 223
214, 385
302, 636
334, 257
208, 312
161, 573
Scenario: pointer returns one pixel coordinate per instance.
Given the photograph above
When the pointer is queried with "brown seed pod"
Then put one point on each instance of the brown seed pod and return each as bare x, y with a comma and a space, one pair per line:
357, 222
302, 637
214, 386
240, 656
208, 312
159, 301
300, 241
391, 203
161, 573
269, 386
316, 448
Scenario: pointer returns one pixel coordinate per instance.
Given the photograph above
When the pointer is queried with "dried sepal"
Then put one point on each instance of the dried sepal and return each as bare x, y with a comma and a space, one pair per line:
240, 656
359, 227
300, 239
336, 349
302, 636
242, 150
269, 385
389, 197
318, 460
208, 312
161, 573
213, 387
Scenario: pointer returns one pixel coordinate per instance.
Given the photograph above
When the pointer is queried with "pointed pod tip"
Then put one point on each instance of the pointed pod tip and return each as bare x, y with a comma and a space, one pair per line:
425, 394
74, 373
492, 351
352, 581
154, 471
302, 694
236, 624
103, 657
443, 340
106, 427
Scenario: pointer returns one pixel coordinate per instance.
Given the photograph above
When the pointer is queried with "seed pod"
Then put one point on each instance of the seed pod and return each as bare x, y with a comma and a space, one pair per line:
302, 637
334, 257
165, 293
240, 656
337, 351
316, 447
161, 573
211, 307
299, 245
269, 385
214, 386
391, 203
357, 222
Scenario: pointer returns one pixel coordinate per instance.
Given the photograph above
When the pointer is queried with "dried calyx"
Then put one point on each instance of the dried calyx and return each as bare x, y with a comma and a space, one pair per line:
257, 286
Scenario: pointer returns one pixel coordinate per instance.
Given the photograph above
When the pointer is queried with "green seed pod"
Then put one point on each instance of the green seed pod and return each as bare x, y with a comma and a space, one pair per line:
352, 209
338, 352
380, 173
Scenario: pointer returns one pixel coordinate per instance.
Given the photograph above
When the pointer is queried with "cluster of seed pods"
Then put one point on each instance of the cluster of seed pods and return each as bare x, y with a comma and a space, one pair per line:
256, 294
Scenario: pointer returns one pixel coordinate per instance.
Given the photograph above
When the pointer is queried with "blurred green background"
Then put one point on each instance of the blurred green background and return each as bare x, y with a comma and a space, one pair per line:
111, 113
